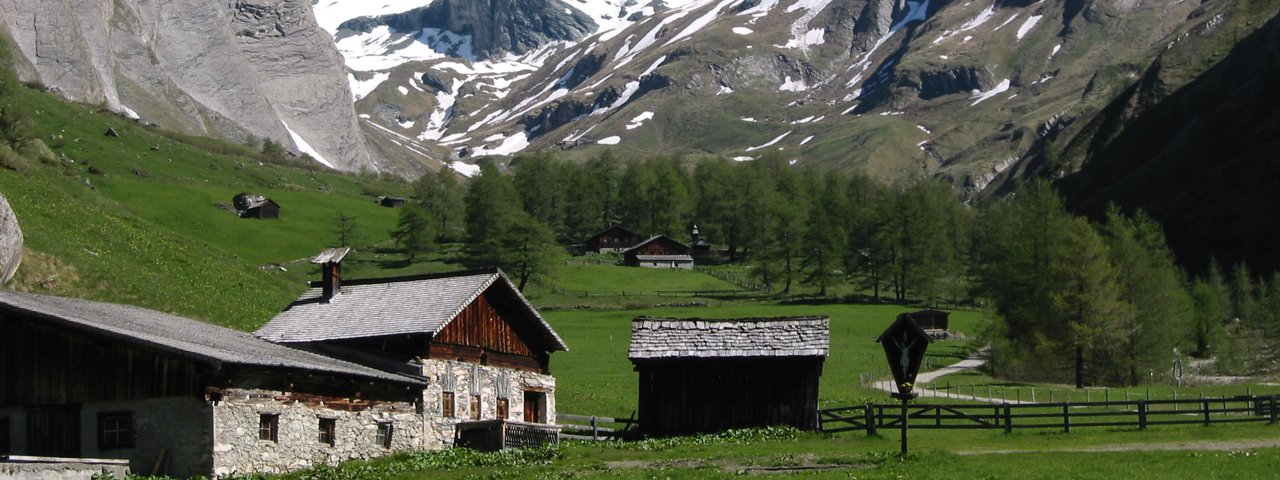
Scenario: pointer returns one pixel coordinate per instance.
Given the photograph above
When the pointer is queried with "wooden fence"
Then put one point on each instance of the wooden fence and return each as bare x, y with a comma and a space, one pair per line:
591, 427
1064, 416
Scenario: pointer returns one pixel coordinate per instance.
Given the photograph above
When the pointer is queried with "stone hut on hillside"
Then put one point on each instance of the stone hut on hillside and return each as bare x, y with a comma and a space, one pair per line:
699, 375
485, 349
178, 397
252, 205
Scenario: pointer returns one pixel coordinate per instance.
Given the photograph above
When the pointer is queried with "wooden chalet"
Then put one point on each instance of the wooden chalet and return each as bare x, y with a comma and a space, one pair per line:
699, 376
485, 347
659, 252
252, 205
612, 239
178, 397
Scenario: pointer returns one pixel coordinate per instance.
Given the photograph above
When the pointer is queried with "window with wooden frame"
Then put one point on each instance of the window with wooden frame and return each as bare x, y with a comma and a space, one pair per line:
269, 427
446, 405
384, 434
503, 408
5, 447
115, 430
328, 427
475, 407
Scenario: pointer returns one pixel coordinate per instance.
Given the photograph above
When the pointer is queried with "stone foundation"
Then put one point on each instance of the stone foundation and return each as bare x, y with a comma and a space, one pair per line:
237, 448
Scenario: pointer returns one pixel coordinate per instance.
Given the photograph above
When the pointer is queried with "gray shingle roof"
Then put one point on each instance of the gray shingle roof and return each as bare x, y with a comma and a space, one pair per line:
394, 306
664, 258
181, 336
744, 337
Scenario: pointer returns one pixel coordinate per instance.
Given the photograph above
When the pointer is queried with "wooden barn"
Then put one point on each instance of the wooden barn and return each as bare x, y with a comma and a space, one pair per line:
178, 397
252, 205
612, 239
485, 348
933, 322
659, 252
391, 202
700, 375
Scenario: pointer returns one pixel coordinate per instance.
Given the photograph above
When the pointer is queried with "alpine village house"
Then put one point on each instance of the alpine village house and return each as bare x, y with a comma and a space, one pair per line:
347, 371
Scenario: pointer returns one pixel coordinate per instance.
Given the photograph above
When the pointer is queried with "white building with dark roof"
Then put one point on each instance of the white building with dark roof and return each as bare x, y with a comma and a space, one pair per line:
484, 349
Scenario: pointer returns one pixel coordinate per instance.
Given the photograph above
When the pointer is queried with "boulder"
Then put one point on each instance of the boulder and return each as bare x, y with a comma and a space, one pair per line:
10, 242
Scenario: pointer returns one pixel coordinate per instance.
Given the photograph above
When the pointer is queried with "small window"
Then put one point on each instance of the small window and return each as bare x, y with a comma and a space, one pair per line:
269, 427
115, 430
4, 436
502, 408
384, 434
475, 407
327, 427
446, 404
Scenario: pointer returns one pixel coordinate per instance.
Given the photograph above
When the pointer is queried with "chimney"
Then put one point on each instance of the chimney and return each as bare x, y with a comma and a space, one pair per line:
330, 262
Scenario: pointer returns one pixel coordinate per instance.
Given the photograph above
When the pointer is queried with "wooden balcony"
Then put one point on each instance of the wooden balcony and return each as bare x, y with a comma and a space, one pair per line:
494, 435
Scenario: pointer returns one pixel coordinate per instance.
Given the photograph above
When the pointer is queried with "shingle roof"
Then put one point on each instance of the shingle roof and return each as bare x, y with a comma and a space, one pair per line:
182, 336
664, 258
393, 306
744, 337
654, 239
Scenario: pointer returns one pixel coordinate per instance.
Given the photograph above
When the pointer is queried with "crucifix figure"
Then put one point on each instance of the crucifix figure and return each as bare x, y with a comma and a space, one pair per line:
904, 347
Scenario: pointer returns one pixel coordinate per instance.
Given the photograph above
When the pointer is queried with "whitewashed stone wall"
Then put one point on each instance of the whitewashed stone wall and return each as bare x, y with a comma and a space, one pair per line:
237, 449
487, 380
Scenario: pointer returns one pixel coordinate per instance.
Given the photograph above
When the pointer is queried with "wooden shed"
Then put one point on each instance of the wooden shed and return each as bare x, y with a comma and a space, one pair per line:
931, 319
699, 375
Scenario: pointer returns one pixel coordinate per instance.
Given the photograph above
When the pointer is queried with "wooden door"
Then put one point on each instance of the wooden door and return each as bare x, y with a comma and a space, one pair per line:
53, 431
535, 407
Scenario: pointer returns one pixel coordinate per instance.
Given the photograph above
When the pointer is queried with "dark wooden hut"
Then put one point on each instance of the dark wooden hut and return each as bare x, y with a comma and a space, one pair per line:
659, 252
391, 202
700, 376
613, 239
931, 319
252, 205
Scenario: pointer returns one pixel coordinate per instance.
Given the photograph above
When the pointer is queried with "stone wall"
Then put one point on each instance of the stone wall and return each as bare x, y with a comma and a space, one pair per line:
457, 377
238, 450
40, 468
172, 433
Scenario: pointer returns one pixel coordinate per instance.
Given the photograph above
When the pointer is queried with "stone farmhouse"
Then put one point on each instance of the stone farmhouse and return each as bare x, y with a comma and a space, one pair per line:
347, 371
699, 375
483, 348
659, 251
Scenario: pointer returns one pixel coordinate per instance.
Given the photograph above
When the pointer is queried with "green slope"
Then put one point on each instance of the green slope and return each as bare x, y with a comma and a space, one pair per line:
136, 218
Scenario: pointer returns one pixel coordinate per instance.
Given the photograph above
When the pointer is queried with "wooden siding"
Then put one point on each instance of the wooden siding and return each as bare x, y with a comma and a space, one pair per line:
486, 332
685, 396
45, 365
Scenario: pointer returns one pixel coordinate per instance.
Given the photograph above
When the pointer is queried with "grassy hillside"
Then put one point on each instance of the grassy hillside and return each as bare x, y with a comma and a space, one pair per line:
140, 218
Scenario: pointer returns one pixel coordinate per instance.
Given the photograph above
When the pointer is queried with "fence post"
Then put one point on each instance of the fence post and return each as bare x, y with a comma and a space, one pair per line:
869, 415
1008, 419
1142, 415
1066, 417
595, 429
1273, 410
1205, 405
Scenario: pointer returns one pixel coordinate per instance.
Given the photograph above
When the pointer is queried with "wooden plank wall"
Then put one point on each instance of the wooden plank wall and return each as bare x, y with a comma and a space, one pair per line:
485, 332
45, 365
685, 396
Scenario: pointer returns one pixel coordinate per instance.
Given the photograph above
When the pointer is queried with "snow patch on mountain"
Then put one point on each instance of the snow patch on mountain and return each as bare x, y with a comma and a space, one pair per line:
801, 35
305, 147
1028, 25
639, 120
771, 142
980, 97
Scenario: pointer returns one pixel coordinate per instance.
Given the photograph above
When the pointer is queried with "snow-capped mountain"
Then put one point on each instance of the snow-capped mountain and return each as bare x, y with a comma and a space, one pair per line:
961, 89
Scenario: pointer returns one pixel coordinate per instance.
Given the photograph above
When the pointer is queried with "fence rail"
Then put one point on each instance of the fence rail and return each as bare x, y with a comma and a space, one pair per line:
1063, 415
591, 427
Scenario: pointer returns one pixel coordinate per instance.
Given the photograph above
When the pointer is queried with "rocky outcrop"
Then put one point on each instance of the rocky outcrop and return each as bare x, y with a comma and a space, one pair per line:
10, 242
237, 69
495, 26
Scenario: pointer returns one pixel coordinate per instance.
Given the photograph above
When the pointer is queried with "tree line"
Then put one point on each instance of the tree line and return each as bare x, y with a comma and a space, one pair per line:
1089, 302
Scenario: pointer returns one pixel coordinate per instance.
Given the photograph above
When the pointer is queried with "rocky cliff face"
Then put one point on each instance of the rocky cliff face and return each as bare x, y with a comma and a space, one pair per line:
10, 242
495, 27
236, 69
